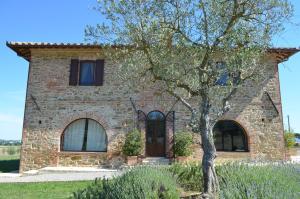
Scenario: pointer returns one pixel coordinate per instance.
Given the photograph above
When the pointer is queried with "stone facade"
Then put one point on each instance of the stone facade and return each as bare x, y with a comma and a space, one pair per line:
51, 104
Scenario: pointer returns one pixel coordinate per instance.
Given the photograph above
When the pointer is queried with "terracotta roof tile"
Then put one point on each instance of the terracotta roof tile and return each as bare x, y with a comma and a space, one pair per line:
23, 48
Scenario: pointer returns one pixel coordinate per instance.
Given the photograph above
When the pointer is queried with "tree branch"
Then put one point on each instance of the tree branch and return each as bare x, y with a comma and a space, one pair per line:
156, 76
184, 102
225, 101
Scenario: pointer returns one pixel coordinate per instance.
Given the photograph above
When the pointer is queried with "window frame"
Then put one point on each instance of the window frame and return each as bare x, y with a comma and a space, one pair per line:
221, 65
234, 77
81, 62
85, 140
230, 133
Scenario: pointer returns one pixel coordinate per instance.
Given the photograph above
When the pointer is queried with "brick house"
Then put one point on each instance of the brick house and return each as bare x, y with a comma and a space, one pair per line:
77, 112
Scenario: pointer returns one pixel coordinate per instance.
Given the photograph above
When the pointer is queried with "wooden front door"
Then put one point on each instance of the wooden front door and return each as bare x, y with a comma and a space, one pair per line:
155, 134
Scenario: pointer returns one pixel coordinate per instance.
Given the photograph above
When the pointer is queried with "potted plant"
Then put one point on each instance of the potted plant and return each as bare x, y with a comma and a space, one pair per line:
182, 146
132, 146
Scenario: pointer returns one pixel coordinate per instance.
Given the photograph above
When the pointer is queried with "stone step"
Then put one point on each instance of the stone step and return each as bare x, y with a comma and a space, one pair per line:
30, 173
156, 161
74, 170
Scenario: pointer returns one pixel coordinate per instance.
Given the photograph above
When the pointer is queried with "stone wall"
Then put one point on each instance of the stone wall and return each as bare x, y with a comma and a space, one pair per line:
51, 104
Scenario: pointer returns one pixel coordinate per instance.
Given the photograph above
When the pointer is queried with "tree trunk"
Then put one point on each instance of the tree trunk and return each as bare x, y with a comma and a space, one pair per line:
211, 185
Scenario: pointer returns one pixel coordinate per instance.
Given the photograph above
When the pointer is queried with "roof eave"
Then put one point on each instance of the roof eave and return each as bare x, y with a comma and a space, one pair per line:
23, 49
283, 54
26, 55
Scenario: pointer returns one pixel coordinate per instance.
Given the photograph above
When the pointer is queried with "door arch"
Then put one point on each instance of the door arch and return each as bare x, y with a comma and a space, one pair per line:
155, 134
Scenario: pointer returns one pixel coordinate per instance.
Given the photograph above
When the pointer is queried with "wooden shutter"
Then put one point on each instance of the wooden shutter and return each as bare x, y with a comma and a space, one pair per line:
73, 80
99, 72
141, 121
170, 128
141, 126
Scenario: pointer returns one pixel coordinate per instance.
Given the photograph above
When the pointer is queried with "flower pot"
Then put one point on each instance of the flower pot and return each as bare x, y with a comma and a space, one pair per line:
181, 159
131, 160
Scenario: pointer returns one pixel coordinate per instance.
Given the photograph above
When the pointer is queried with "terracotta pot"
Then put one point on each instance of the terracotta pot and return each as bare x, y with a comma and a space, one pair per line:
181, 159
131, 160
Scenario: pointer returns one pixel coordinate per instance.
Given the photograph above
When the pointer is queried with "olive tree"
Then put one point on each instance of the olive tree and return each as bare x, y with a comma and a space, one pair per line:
197, 49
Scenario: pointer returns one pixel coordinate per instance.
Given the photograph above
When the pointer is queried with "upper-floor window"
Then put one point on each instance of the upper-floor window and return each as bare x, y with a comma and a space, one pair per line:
86, 72
225, 77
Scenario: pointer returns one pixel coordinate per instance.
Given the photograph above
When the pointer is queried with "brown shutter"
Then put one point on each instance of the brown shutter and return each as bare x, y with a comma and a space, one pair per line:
141, 126
74, 72
170, 128
141, 120
99, 72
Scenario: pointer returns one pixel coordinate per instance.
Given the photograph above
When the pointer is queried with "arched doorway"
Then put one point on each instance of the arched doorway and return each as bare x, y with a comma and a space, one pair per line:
155, 134
230, 136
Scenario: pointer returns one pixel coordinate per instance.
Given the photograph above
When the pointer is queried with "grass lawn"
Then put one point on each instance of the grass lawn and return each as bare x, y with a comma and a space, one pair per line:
44, 190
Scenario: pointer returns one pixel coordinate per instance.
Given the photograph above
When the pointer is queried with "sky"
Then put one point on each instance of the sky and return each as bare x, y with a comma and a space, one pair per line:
64, 21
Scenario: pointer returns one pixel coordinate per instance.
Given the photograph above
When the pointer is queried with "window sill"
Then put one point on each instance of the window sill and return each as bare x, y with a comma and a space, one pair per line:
82, 152
221, 151
86, 85
234, 154
91, 85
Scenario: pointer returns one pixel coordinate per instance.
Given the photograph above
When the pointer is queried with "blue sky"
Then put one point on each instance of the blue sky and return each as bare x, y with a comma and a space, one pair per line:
64, 21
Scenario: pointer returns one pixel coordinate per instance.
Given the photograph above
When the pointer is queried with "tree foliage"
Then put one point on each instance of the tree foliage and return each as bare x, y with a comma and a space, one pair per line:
188, 47
181, 43
289, 138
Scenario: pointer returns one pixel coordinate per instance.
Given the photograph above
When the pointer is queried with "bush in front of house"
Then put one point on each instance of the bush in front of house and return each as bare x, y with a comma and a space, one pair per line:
140, 182
133, 143
183, 142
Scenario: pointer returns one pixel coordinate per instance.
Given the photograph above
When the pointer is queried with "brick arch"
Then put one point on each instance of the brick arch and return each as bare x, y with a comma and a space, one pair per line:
89, 115
149, 108
75, 117
245, 131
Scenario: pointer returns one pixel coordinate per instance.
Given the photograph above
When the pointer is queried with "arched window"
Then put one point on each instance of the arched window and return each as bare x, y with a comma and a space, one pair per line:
230, 136
84, 135
156, 115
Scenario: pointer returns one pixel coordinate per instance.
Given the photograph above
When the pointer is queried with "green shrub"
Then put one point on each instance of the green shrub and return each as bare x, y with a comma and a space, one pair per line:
141, 182
189, 176
183, 142
133, 143
289, 139
238, 180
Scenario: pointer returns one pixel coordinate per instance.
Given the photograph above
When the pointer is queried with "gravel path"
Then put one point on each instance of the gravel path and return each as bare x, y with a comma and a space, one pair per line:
69, 176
